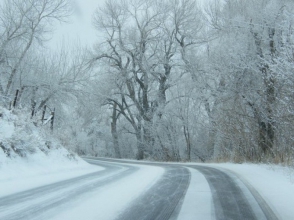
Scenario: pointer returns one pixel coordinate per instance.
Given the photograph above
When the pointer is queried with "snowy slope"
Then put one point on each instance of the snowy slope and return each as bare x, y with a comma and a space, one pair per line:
29, 157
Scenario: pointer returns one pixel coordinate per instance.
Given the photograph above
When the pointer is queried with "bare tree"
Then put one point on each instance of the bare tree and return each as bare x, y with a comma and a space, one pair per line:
259, 32
22, 23
142, 45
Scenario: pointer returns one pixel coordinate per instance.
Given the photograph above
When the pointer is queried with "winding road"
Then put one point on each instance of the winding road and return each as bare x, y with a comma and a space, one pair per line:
232, 197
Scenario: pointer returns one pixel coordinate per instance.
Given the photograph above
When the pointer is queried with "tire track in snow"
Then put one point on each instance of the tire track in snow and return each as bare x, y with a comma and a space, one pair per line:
233, 198
163, 200
229, 197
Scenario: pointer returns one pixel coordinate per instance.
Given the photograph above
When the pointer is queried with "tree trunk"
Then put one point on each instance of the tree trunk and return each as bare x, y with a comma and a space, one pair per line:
114, 132
188, 142
1, 88
15, 68
211, 132
140, 147
266, 127
148, 137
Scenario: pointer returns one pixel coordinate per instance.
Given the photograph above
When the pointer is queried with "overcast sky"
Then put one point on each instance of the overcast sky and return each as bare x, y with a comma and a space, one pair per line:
80, 28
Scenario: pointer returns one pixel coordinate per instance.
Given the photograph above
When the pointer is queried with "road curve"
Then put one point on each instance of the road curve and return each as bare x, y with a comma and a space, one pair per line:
37, 202
233, 198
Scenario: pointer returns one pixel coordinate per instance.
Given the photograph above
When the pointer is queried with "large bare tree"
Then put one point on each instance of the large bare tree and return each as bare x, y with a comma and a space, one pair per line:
143, 43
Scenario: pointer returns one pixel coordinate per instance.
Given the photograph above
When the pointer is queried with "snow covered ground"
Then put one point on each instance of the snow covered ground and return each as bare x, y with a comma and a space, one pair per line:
103, 202
30, 158
274, 183
109, 201
22, 174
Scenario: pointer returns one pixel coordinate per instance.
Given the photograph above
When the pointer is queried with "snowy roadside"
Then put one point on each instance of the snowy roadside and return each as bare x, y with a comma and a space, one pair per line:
274, 183
21, 174
30, 157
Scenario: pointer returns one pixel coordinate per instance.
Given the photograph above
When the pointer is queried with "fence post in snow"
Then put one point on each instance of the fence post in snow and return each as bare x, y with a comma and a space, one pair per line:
43, 113
15, 98
33, 108
52, 119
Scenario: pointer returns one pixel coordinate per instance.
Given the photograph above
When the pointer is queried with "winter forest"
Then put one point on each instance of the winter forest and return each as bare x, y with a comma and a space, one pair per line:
166, 80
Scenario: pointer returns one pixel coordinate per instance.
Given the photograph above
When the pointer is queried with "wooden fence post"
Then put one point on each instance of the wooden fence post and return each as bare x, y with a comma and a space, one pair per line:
15, 98
34, 103
43, 113
52, 119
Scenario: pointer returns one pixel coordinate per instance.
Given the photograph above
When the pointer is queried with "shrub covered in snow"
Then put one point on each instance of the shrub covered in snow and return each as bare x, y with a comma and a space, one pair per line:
21, 138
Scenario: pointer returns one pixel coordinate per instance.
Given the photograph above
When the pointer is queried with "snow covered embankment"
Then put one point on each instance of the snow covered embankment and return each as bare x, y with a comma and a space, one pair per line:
29, 157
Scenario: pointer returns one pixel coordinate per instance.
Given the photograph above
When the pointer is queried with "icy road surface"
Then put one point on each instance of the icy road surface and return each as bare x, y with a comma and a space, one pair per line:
126, 190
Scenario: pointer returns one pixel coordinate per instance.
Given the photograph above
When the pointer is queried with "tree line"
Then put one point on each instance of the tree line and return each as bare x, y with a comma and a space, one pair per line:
167, 80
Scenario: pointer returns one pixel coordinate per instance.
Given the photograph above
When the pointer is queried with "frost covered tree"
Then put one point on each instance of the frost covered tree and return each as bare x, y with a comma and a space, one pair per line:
24, 24
250, 54
143, 44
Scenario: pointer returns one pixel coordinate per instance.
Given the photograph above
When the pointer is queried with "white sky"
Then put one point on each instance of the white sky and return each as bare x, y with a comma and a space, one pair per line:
80, 28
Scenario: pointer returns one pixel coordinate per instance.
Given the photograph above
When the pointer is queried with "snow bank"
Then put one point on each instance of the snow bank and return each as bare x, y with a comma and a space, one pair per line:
30, 157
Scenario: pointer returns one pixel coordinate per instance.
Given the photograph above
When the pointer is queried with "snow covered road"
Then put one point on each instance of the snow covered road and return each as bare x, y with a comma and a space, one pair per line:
32, 203
225, 196
130, 190
231, 197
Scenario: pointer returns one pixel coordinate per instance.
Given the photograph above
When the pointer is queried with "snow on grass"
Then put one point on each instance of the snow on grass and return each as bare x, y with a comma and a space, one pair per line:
7, 129
7, 123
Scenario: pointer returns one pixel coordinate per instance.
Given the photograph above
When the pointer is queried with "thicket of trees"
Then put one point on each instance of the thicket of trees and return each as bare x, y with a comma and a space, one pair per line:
42, 77
254, 56
170, 80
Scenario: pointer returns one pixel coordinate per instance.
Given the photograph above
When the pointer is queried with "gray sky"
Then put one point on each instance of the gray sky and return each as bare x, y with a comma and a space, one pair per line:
80, 27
